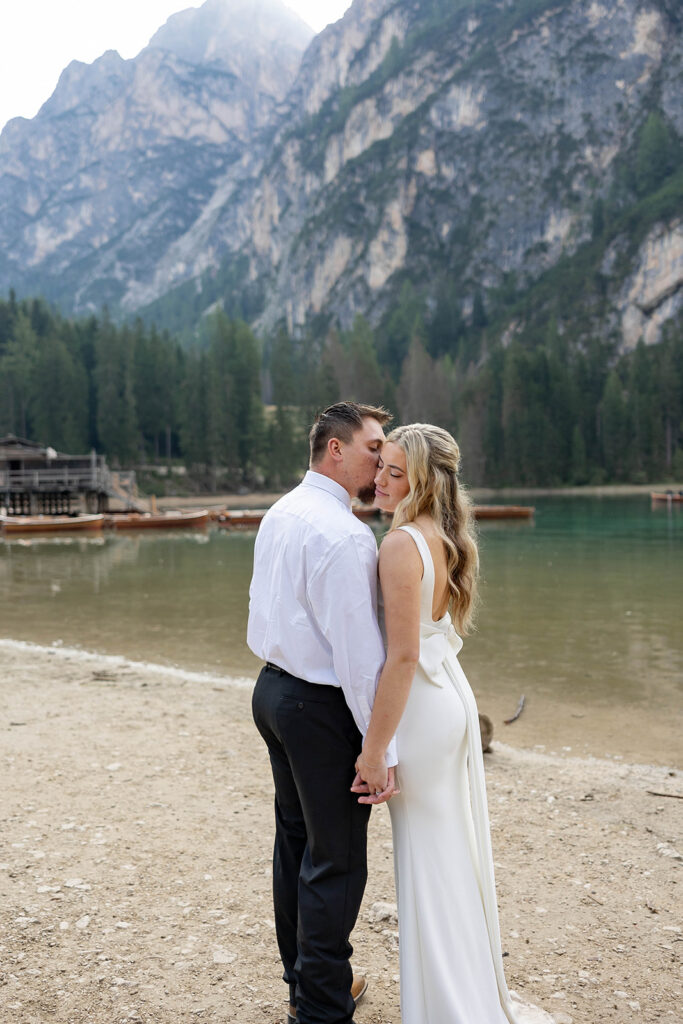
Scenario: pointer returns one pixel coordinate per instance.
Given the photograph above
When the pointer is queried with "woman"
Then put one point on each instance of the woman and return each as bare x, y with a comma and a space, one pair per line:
450, 951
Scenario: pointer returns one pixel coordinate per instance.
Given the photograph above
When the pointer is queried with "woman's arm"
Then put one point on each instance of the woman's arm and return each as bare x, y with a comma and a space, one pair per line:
400, 573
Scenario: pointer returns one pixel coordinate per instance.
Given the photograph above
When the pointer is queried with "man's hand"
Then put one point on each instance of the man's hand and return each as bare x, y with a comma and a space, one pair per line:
379, 786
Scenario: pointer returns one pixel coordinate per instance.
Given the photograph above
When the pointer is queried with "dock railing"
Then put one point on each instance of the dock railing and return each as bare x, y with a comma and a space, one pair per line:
68, 478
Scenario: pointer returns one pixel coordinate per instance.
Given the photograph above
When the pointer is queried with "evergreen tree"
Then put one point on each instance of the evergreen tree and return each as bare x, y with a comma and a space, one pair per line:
236, 427
543, 410
249, 422
655, 155
487, 400
282, 370
194, 415
515, 434
642, 415
221, 409
598, 218
403, 322
479, 318
17, 366
424, 392
156, 366
579, 461
285, 457
117, 423
670, 390
614, 422
59, 404
366, 378
447, 326
8, 316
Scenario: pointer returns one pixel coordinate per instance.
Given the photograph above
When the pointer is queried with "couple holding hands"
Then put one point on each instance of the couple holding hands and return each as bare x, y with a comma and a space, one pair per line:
362, 700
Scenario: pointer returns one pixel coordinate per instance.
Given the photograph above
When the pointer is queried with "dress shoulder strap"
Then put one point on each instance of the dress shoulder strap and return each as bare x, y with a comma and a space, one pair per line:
420, 542
428, 575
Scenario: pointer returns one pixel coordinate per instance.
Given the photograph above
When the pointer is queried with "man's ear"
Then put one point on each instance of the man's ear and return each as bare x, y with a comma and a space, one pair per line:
334, 447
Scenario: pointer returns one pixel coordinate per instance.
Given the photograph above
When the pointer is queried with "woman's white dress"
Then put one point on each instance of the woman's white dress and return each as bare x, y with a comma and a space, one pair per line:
449, 938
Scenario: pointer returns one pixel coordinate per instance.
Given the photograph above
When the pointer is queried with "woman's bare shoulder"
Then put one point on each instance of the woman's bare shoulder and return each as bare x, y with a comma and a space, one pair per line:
396, 541
398, 548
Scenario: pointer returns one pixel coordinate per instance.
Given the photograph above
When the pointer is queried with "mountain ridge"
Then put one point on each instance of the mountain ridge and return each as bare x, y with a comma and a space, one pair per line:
121, 160
463, 145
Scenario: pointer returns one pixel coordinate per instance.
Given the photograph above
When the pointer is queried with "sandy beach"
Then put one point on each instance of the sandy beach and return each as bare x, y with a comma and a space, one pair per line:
135, 862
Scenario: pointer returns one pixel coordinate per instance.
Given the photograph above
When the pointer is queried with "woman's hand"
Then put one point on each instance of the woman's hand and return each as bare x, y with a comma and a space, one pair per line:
374, 781
373, 772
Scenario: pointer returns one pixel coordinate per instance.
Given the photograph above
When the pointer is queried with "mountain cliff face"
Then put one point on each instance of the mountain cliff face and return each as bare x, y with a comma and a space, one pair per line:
126, 155
259, 41
459, 144
466, 141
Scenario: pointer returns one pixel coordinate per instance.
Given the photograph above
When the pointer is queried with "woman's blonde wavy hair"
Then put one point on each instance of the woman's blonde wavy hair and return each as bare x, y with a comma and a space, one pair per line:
432, 461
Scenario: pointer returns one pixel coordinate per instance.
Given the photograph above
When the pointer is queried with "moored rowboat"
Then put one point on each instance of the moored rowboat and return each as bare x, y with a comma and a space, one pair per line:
666, 496
480, 511
504, 511
51, 524
157, 520
233, 519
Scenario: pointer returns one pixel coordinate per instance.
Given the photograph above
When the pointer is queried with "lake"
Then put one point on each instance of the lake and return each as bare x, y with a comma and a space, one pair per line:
580, 613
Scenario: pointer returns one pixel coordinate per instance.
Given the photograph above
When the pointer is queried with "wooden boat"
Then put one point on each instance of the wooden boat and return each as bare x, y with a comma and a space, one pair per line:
250, 518
365, 511
234, 519
504, 511
666, 495
157, 520
51, 524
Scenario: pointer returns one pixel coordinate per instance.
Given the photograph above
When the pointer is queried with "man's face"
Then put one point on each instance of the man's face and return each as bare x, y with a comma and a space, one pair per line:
361, 456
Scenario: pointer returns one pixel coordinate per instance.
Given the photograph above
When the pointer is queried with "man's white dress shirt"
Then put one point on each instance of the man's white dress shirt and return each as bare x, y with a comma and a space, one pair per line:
313, 595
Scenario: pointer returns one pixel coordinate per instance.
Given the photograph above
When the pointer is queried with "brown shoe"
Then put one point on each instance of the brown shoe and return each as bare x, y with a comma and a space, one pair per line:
359, 987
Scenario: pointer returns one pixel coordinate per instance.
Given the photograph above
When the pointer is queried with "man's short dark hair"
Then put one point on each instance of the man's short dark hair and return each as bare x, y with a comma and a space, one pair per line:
342, 420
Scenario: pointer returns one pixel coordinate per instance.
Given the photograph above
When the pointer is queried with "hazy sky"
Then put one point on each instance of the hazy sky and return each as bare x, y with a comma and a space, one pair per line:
38, 38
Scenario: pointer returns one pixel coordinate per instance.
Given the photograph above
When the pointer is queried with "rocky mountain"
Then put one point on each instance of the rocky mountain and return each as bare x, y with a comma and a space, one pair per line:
466, 146
259, 41
128, 154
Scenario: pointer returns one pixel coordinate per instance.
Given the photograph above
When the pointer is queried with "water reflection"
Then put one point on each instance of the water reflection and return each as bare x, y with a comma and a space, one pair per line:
82, 560
580, 611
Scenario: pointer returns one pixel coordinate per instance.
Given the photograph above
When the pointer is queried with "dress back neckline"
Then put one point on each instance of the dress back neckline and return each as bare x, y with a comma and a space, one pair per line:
428, 578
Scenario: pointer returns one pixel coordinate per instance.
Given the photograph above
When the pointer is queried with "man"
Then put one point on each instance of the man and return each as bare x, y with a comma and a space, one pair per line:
312, 618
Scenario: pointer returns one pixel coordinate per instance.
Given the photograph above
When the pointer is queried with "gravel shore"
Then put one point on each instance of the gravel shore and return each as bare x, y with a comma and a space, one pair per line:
135, 849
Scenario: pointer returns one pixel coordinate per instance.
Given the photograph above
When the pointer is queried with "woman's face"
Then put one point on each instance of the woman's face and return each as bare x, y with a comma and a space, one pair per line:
391, 479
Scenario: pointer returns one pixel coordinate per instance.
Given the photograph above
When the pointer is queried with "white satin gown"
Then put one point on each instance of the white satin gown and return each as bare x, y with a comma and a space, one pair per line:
449, 939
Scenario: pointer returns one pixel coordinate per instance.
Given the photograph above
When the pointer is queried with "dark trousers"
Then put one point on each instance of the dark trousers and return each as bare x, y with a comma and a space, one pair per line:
319, 860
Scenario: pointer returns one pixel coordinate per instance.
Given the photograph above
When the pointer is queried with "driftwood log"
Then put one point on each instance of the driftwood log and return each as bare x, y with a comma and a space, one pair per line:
486, 730
520, 708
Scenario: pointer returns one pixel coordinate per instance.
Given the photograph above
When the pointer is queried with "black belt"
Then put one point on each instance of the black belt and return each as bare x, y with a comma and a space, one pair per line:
276, 668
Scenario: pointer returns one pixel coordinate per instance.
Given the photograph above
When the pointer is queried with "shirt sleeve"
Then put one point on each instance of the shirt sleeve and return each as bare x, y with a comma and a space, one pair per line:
343, 597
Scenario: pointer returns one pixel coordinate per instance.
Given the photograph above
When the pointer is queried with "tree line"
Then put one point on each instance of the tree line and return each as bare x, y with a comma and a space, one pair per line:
533, 409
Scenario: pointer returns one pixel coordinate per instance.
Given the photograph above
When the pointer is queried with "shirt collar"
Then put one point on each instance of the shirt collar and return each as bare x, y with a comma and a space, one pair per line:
325, 483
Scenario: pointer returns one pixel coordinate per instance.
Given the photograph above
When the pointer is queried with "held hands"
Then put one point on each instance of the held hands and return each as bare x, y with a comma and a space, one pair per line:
375, 782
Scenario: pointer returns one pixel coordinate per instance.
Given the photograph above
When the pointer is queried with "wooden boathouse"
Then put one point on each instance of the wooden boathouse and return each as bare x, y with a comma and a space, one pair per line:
37, 480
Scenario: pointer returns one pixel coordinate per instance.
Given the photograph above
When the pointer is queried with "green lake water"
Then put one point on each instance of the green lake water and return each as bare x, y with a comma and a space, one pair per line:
581, 612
